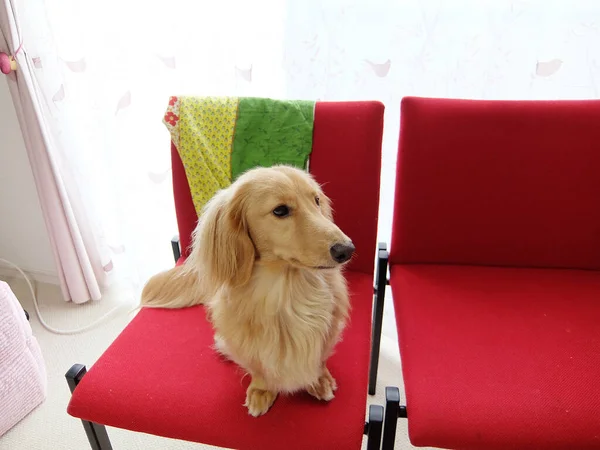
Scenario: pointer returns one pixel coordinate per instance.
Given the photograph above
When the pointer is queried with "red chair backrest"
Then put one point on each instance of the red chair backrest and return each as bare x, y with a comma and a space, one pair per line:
507, 183
346, 159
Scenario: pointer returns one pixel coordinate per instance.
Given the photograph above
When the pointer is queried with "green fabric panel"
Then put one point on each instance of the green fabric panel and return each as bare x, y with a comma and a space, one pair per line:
270, 132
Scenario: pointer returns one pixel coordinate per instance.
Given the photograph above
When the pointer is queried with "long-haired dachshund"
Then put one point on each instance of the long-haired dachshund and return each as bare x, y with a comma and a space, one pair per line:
266, 261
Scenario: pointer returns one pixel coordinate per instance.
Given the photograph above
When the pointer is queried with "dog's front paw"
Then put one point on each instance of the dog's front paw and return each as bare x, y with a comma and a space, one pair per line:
324, 388
258, 401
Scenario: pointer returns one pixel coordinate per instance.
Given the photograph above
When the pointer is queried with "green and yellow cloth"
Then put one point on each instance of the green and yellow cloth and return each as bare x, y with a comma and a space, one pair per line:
219, 138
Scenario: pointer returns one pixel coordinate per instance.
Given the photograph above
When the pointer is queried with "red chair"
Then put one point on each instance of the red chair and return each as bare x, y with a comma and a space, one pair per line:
161, 376
495, 274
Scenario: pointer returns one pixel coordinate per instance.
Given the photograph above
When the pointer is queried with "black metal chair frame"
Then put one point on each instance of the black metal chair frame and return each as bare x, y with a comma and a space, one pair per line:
393, 409
375, 428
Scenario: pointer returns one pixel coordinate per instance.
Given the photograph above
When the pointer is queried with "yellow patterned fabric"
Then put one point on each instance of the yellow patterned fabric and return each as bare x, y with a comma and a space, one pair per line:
202, 130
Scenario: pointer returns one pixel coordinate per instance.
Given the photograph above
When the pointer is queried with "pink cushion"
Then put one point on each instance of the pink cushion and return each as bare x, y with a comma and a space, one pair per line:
500, 358
23, 380
161, 376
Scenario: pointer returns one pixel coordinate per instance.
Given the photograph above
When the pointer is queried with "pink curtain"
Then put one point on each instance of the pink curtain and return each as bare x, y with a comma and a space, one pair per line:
78, 263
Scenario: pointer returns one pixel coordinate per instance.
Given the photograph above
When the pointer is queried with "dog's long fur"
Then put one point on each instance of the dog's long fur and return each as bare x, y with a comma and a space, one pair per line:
275, 296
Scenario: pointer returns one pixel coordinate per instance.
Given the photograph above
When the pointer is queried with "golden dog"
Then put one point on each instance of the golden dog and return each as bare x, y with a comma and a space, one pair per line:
266, 261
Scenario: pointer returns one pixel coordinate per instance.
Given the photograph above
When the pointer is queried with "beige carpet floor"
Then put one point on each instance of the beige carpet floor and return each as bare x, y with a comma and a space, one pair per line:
49, 427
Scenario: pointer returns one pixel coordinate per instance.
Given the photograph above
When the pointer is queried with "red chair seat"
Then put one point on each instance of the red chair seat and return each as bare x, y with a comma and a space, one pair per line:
500, 358
161, 376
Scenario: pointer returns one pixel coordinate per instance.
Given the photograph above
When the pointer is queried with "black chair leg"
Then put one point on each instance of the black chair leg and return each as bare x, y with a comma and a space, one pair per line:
381, 283
175, 245
374, 427
392, 407
96, 433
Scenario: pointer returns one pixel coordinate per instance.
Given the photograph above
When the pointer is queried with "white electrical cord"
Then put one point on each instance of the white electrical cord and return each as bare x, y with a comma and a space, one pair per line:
43, 322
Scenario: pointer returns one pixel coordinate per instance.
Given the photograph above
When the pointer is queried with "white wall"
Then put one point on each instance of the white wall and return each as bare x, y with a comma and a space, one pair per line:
23, 236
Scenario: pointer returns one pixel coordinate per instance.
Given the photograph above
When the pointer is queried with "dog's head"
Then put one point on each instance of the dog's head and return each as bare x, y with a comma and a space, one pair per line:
276, 215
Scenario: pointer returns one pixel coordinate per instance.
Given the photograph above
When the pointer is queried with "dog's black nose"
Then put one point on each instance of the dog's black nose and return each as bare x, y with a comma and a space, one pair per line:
342, 252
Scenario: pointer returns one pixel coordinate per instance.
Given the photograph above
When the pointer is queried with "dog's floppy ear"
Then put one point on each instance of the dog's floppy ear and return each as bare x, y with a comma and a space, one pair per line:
224, 250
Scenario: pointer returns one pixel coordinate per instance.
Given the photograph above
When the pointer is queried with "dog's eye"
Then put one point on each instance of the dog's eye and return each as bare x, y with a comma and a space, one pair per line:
317, 201
281, 211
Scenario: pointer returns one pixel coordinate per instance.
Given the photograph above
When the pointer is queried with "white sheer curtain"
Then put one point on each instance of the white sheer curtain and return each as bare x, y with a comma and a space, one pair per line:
105, 70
